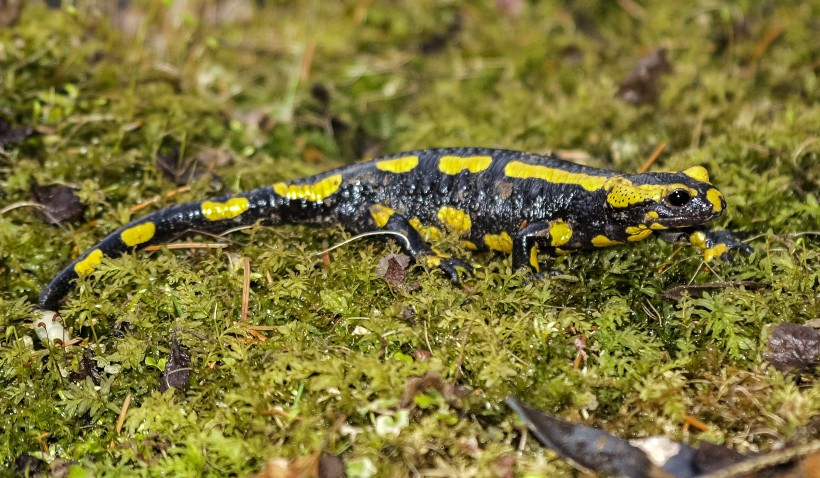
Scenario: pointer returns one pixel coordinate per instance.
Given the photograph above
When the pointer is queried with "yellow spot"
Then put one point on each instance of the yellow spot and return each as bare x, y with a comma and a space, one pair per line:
433, 261
381, 214
638, 233
716, 198
398, 165
456, 220
139, 234
562, 252
215, 211
517, 169
656, 226
429, 233
621, 192
534, 258
443, 255
457, 164
560, 233
87, 265
499, 242
469, 245
715, 251
698, 238
698, 173
603, 241
310, 192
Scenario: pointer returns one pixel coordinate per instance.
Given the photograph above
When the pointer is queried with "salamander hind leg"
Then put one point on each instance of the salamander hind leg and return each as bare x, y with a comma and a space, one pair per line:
414, 245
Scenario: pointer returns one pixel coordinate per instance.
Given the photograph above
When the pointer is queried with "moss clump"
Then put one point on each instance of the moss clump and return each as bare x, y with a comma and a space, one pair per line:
294, 88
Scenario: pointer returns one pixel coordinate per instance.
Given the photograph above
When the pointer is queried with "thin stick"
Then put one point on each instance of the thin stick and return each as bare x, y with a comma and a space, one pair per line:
648, 164
187, 245
123, 412
365, 234
166, 195
246, 288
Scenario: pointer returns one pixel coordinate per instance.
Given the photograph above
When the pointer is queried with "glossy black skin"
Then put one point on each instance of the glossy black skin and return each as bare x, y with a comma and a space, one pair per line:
522, 208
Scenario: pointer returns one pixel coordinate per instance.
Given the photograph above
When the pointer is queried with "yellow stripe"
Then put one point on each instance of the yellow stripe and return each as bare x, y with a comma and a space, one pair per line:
457, 164
398, 165
517, 169
215, 211
310, 192
87, 265
139, 234
499, 242
455, 220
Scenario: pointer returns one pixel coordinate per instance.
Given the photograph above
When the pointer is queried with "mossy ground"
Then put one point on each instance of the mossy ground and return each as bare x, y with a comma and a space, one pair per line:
299, 87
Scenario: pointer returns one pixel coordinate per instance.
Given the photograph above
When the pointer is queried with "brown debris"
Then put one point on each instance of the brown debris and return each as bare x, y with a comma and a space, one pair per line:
793, 346
643, 86
393, 269
311, 466
452, 393
9, 11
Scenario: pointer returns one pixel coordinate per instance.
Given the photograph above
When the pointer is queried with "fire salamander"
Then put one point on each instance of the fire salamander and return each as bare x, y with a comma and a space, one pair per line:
513, 202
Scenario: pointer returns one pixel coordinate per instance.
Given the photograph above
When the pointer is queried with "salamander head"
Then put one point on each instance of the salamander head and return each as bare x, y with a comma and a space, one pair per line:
664, 200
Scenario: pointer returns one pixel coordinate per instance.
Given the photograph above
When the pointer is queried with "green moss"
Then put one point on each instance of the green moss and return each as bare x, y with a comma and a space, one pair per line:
340, 342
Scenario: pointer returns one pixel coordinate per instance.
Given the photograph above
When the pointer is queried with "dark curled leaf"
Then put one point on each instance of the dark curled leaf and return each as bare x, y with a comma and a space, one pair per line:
642, 86
438, 41
392, 268
694, 291
87, 367
29, 465
10, 135
588, 447
59, 202
178, 368
793, 346
182, 171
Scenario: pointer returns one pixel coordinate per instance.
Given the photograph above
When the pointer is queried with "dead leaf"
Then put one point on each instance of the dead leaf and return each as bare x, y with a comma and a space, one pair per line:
59, 202
793, 346
178, 368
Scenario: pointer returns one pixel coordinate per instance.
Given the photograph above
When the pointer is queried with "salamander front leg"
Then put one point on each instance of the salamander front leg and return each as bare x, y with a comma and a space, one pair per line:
714, 243
414, 245
525, 248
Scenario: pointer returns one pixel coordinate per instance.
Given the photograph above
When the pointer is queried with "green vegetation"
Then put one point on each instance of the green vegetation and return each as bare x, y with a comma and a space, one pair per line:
298, 87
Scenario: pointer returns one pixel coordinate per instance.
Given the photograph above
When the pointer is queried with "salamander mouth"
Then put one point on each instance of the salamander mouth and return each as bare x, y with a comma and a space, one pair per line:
681, 222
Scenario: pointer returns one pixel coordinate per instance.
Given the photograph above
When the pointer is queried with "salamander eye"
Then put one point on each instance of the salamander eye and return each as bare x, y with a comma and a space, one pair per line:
678, 198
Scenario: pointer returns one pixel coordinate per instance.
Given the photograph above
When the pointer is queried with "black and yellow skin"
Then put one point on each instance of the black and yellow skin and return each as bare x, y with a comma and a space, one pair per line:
508, 201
